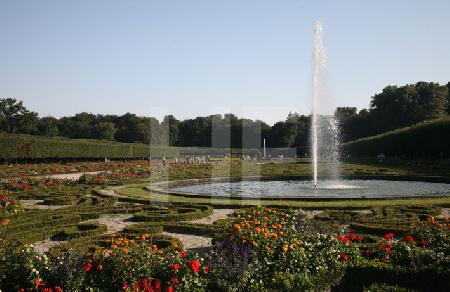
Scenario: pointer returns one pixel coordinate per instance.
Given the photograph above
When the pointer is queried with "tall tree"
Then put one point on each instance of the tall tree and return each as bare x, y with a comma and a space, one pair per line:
16, 118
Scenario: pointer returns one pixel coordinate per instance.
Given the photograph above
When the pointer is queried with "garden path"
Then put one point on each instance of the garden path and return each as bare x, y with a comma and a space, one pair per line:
37, 204
72, 176
201, 244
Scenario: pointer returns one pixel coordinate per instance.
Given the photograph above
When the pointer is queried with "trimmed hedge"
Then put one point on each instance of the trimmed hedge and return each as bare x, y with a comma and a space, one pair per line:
44, 147
427, 279
62, 148
175, 213
426, 139
80, 230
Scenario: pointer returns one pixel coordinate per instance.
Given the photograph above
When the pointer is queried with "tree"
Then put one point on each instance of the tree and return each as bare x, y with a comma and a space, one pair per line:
342, 114
172, 124
128, 130
397, 107
431, 101
48, 126
105, 131
24, 149
448, 98
15, 118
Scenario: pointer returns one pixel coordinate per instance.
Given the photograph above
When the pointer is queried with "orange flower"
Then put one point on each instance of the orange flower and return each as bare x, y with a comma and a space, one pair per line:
125, 250
114, 246
5, 221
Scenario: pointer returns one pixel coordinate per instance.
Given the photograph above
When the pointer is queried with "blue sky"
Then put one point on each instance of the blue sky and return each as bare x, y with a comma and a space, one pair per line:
190, 58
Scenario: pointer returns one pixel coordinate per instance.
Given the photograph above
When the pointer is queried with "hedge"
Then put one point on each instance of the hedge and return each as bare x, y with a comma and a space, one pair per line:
426, 139
426, 279
64, 148
44, 147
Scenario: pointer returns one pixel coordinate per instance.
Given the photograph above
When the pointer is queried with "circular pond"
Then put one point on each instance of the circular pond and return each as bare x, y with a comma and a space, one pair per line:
345, 189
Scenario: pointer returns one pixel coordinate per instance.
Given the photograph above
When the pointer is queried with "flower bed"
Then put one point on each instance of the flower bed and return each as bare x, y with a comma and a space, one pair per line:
8, 206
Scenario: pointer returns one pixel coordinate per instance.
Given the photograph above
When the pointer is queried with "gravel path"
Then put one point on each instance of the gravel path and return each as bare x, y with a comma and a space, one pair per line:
201, 244
216, 215
72, 176
193, 243
36, 204
114, 223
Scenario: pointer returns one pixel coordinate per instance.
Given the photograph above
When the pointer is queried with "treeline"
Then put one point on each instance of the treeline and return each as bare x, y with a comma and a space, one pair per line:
218, 131
393, 108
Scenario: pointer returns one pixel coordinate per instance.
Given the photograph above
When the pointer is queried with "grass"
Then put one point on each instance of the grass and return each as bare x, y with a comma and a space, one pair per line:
138, 191
293, 168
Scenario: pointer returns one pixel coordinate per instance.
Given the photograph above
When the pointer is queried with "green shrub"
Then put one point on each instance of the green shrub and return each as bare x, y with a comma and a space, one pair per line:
426, 139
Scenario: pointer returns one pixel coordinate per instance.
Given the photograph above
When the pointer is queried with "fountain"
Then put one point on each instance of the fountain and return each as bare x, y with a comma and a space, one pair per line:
324, 128
325, 150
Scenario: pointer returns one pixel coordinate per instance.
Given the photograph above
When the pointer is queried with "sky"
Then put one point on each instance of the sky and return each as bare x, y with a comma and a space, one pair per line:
200, 57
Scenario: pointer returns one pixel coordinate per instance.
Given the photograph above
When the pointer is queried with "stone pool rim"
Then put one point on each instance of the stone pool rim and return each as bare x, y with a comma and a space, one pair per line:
166, 187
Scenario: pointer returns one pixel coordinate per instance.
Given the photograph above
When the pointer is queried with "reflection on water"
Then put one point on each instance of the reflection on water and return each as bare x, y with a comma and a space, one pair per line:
326, 189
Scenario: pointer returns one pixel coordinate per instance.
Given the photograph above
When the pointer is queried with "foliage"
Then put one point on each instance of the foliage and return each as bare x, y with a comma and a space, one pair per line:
426, 139
268, 249
8, 206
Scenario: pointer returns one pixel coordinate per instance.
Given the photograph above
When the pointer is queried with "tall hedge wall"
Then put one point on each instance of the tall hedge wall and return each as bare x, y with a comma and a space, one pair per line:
424, 140
37, 147
43, 147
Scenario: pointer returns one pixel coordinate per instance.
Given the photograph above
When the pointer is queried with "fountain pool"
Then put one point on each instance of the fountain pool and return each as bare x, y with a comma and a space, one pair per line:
327, 189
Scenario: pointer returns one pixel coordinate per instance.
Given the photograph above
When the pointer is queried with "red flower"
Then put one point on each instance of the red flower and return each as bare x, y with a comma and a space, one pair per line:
343, 257
157, 284
424, 243
182, 254
351, 236
343, 239
176, 267
368, 252
175, 280
359, 238
388, 236
88, 267
169, 289
385, 246
206, 269
195, 265
409, 238
38, 282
